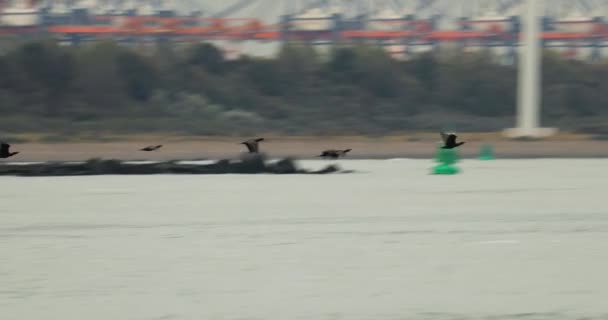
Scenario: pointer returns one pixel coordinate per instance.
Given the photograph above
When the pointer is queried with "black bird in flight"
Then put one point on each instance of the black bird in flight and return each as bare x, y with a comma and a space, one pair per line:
253, 144
334, 154
151, 148
449, 141
4, 151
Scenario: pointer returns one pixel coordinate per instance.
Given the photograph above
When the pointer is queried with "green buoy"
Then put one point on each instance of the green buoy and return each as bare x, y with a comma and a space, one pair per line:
486, 152
446, 158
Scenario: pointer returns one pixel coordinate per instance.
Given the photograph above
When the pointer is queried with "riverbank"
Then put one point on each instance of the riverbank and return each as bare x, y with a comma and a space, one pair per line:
421, 145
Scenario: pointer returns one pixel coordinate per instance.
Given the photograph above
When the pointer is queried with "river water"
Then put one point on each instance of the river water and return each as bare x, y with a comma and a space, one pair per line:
506, 239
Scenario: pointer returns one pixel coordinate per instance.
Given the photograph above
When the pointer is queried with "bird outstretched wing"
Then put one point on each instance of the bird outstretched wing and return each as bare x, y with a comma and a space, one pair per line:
4, 148
329, 153
444, 136
252, 146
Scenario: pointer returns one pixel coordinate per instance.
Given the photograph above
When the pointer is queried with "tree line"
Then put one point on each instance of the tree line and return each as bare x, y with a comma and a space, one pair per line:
104, 86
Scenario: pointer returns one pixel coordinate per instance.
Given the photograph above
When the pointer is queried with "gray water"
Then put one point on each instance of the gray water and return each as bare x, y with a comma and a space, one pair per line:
506, 239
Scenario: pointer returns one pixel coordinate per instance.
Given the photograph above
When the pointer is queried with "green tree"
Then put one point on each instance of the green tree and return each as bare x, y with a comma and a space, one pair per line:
207, 56
48, 69
99, 85
138, 73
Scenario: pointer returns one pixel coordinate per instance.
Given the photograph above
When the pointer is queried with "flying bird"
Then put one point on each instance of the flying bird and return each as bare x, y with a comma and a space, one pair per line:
151, 148
449, 140
253, 144
334, 154
4, 151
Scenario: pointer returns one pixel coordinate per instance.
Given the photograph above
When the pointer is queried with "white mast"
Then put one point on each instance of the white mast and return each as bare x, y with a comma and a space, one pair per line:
529, 82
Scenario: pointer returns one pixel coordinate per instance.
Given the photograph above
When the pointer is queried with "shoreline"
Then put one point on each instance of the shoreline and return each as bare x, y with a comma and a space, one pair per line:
421, 146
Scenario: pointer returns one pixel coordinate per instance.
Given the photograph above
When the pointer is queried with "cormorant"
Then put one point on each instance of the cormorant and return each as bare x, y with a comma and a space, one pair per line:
334, 154
252, 144
4, 151
151, 148
449, 140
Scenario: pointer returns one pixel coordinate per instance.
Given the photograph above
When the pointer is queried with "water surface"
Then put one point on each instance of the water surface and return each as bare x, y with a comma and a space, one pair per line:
506, 239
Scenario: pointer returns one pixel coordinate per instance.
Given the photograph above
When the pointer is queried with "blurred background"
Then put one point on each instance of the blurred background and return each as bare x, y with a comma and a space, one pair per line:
94, 69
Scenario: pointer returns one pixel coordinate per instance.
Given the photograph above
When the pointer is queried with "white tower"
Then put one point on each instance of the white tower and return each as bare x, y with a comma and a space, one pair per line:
529, 82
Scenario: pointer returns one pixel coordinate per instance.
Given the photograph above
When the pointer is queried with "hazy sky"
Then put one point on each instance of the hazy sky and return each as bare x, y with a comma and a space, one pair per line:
591, 6
272, 9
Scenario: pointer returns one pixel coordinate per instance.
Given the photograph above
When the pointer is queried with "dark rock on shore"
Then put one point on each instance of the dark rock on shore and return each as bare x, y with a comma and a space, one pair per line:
247, 164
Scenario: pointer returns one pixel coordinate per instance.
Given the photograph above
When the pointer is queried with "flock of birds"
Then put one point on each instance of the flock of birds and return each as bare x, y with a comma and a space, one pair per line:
253, 146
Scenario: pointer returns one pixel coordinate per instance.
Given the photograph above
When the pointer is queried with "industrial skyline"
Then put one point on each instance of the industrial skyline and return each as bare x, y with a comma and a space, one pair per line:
577, 28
